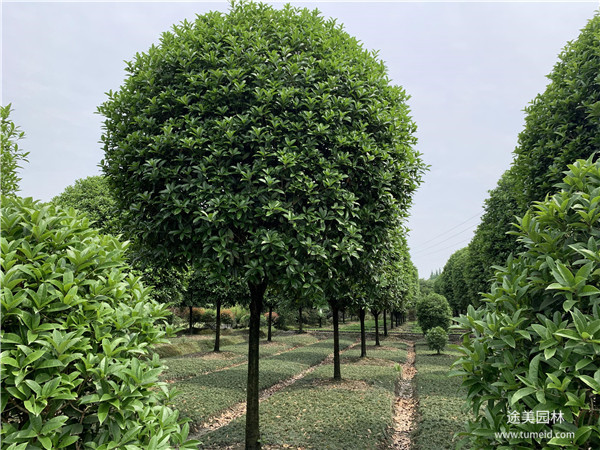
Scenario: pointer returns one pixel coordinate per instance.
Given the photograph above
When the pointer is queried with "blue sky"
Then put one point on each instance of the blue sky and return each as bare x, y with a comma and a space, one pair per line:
470, 68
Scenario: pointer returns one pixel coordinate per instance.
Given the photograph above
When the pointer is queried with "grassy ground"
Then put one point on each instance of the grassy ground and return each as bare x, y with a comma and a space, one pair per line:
208, 394
440, 400
317, 412
234, 352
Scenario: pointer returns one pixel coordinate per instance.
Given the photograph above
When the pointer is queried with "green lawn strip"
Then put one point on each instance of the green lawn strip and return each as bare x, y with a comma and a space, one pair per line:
186, 367
391, 350
316, 412
441, 399
185, 345
206, 395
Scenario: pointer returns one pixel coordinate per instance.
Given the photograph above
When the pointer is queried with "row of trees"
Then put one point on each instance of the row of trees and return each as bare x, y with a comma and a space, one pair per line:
561, 125
532, 346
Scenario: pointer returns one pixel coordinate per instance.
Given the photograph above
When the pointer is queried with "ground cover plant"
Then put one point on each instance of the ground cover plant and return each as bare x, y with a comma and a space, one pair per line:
188, 366
441, 400
185, 345
206, 395
318, 412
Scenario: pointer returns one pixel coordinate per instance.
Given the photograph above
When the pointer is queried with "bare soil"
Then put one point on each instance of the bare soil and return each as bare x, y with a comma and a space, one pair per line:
405, 407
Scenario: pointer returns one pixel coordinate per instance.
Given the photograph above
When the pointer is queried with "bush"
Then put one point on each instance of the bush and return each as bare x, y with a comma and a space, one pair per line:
227, 317
534, 345
238, 312
437, 338
433, 311
77, 329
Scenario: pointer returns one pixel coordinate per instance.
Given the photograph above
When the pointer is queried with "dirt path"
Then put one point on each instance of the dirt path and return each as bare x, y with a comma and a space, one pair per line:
240, 409
405, 408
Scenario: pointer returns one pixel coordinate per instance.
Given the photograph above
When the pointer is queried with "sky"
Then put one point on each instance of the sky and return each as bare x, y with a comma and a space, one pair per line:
469, 67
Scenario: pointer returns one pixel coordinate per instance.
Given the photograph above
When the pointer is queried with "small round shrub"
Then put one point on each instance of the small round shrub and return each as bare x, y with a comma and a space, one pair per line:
77, 332
433, 311
437, 338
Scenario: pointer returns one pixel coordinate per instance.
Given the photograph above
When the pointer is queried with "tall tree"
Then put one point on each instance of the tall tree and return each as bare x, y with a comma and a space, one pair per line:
258, 144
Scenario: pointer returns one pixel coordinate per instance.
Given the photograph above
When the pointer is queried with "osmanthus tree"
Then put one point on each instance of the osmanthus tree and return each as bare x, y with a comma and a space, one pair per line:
78, 327
257, 144
454, 281
11, 156
533, 346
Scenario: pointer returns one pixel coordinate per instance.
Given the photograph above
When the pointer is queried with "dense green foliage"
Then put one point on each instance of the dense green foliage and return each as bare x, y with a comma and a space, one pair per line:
453, 281
533, 346
437, 339
562, 124
433, 311
11, 156
257, 142
77, 330
92, 195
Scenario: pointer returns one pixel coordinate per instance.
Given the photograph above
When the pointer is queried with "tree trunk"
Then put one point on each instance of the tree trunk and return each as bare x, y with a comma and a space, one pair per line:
376, 316
363, 334
337, 372
270, 322
300, 320
385, 323
320, 322
257, 292
344, 317
191, 320
391, 320
218, 328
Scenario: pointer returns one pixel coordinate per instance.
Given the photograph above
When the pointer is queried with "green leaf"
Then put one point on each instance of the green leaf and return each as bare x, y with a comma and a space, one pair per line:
103, 412
523, 392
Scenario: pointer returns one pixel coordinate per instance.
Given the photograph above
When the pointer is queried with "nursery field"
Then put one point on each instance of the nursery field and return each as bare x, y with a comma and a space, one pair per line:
301, 406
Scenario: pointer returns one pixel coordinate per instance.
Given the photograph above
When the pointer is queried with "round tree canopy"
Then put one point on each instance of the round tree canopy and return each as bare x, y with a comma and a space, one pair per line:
260, 143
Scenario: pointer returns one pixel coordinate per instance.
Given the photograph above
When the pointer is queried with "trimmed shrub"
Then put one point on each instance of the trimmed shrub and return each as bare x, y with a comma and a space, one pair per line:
227, 317
533, 347
77, 331
437, 338
433, 311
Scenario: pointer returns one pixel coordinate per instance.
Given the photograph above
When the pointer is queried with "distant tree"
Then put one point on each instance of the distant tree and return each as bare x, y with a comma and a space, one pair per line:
93, 196
454, 281
204, 290
11, 156
491, 243
264, 144
433, 311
